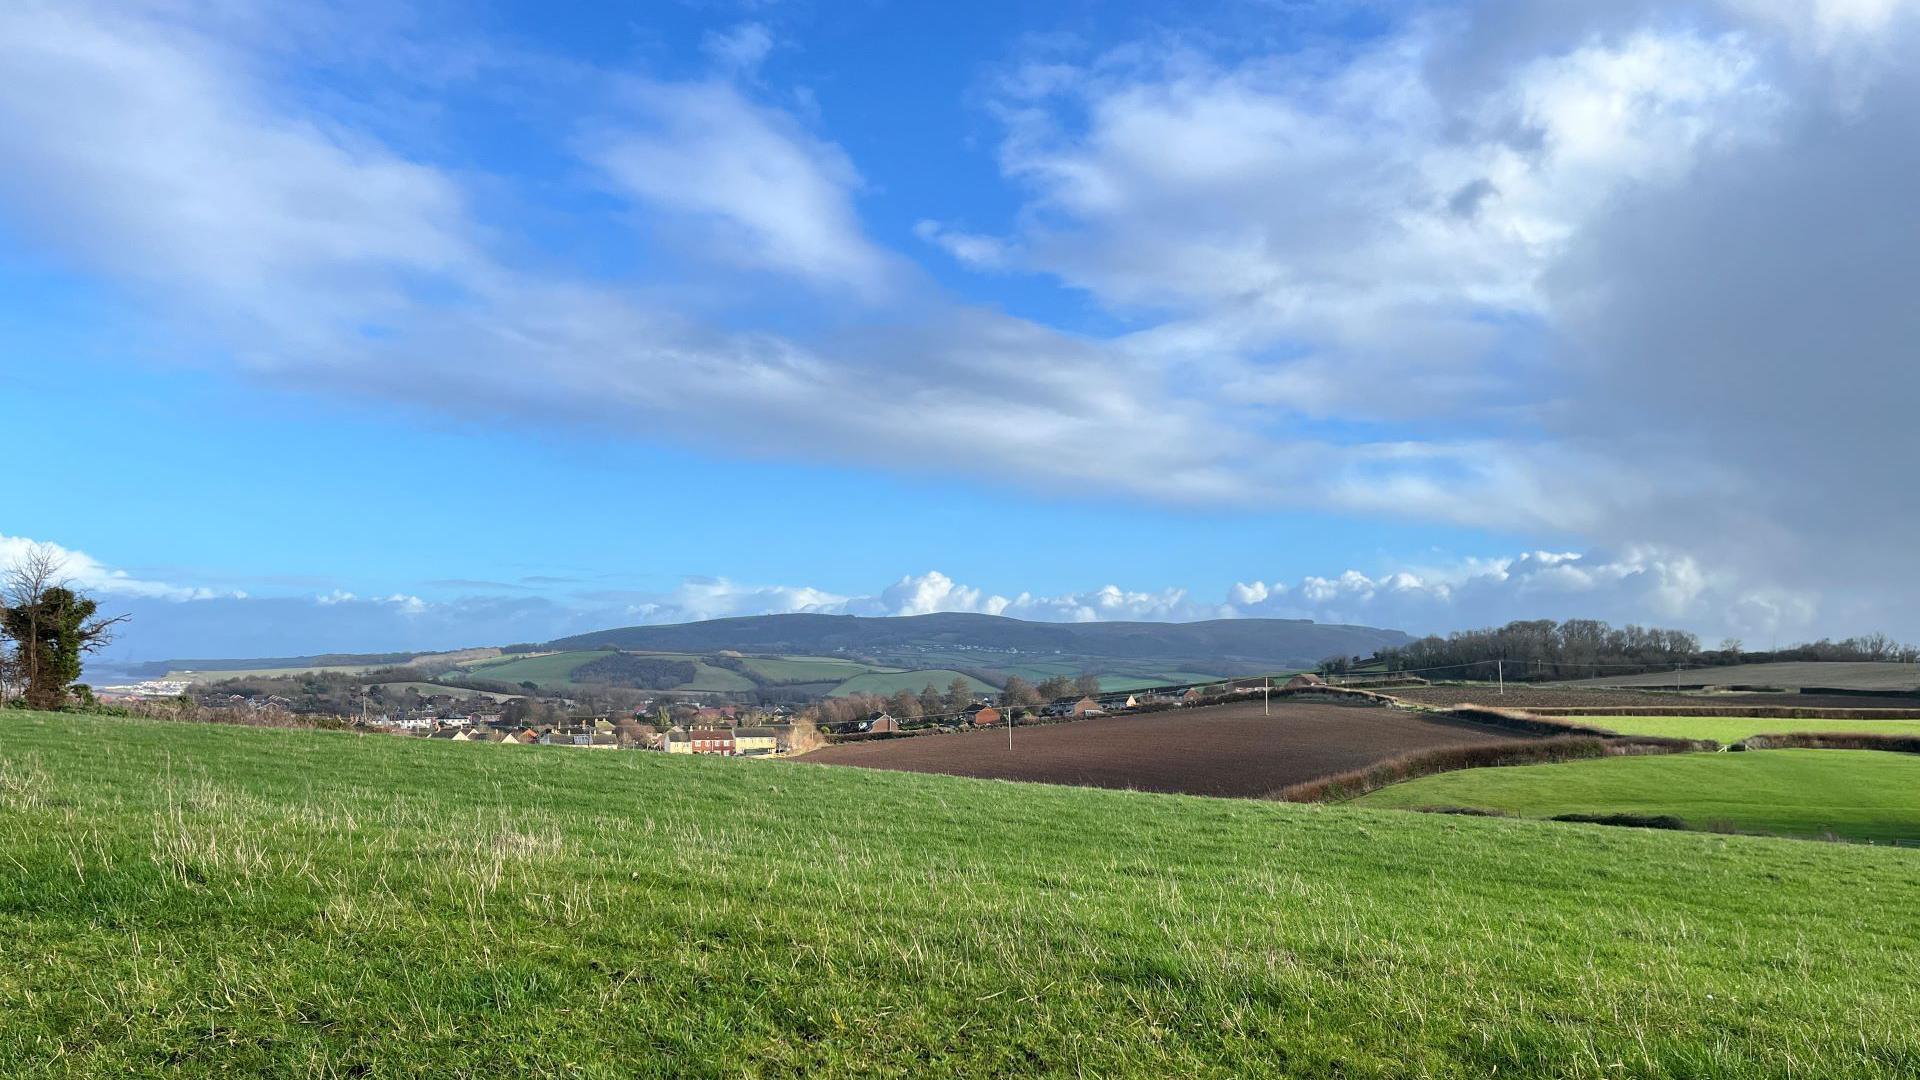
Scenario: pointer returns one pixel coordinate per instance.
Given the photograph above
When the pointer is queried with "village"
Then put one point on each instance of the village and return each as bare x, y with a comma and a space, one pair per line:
679, 727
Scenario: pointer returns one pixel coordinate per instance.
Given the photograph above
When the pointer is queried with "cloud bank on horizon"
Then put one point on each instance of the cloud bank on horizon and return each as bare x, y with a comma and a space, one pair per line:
180, 621
1631, 278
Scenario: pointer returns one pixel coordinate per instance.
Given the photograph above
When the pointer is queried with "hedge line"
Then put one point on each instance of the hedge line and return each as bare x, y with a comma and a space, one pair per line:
1782, 712
1358, 782
1832, 740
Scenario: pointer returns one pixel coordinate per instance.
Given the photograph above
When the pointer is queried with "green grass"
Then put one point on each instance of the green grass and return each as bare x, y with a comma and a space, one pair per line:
395, 689
892, 682
548, 670
790, 670
708, 677
1856, 794
1732, 729
198, 900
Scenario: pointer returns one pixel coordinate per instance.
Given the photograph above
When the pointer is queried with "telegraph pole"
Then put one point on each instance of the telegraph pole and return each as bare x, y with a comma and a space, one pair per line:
1266, 695
1500, 668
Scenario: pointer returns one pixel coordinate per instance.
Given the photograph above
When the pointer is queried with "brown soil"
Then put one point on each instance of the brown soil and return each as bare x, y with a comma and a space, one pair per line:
1230, 750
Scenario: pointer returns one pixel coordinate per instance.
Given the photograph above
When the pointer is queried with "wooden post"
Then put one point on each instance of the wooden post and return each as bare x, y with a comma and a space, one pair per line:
1501, 668
1266, 695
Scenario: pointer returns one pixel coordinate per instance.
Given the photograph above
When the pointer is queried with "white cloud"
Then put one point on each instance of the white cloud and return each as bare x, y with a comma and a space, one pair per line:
770, 195
741, 49
975, 250
89, 573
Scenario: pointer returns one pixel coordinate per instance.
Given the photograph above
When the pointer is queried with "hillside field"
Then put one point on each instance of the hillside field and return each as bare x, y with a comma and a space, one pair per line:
1854, 794
892, 682
197, 900
544, 669
1731, 729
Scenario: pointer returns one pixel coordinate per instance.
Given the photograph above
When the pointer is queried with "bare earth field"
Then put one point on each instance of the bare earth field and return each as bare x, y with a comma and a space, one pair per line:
1222, 750
1580, 697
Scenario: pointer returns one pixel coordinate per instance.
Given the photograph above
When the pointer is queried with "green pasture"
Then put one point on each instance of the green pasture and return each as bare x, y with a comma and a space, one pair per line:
1732, 729
1852, 794
195, 900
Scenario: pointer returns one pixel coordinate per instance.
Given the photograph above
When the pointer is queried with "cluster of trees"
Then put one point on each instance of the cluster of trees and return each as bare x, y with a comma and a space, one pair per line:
1019, 691
637, 672
931, 701
1545, 649
47, 626
1589, 648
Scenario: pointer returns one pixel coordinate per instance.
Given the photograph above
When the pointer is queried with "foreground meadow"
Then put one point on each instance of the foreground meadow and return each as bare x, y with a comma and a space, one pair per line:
193, 900
1851, 794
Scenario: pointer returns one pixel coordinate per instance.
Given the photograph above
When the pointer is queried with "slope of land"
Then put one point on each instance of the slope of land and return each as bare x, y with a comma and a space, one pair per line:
1274, 641
1732, 729
193, 900
1853, 794
1230, 750
1846, 675
892, 682
1600, 698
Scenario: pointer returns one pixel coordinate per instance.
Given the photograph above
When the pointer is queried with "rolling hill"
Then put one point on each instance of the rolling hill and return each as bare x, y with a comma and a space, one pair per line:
1274, 642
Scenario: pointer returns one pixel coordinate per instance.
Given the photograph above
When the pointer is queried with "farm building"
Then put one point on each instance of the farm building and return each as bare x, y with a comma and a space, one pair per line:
1084, 708
1304, 682
883, 724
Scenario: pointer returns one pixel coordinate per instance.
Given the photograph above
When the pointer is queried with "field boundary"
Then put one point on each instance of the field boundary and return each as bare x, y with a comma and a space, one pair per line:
1761, 712
1831, 740
1354, 783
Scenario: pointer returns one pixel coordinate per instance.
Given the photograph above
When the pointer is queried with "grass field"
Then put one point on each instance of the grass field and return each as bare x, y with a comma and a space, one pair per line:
547, 669
892, 682
430, 689
1855, 794
1731, 729
796, 670
197, 900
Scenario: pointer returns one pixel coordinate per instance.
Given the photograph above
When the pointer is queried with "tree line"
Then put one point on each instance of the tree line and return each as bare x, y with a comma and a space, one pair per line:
1542, 649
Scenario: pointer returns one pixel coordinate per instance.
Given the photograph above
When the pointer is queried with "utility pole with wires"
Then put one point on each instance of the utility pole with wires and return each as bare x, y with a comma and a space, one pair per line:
1266, 695
1500, 672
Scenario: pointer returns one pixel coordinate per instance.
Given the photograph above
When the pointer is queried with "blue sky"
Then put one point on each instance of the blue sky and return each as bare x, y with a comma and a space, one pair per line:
413, 326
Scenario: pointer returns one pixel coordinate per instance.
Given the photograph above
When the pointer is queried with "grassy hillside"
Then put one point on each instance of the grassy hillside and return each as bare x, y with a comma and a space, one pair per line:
189, 900
1856, 794
1731, 729
546, 670
803, 670
892, 682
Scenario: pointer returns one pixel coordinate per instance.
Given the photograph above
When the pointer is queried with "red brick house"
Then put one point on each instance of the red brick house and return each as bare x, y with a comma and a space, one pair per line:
983, 715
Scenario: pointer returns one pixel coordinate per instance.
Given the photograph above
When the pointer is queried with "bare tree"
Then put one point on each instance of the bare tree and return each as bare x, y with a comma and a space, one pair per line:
51, 624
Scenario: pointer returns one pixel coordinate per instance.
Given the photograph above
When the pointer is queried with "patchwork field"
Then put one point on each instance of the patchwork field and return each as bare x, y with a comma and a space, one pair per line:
892, 682
546, 669
1732, 729
186, 900
1230, 750
1852, 794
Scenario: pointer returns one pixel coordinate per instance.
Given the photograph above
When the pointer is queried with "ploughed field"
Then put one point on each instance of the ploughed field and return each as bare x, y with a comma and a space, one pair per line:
1582, 697
1226, 750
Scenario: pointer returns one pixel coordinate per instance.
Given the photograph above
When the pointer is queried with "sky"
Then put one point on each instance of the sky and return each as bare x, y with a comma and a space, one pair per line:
390, 326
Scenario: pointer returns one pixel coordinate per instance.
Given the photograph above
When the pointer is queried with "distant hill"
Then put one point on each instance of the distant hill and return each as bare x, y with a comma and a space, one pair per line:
1277, 642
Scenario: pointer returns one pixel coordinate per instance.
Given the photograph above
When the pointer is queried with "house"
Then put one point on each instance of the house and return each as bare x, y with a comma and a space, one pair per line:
981, 715
884, 724
451, 734
1117, 702
1084, 708
701, 740
523, 737
1304, 682
756, 741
